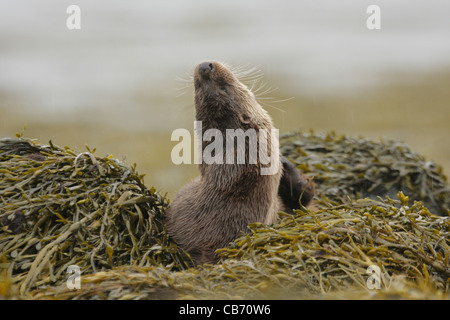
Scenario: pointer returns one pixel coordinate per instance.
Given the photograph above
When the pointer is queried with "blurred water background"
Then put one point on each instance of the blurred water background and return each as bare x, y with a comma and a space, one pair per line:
114, 84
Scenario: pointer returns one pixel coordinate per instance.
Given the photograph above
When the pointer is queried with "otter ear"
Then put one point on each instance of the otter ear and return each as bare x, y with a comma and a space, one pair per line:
244, 118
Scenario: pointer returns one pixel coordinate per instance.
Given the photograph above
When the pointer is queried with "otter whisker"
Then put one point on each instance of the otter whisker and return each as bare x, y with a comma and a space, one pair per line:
263, 89
247, 73
273, 107
187, 82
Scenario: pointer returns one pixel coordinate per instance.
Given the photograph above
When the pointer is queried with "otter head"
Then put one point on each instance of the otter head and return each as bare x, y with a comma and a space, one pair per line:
222, 101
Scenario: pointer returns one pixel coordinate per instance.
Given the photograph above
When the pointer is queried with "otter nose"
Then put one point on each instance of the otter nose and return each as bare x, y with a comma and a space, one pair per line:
205, 68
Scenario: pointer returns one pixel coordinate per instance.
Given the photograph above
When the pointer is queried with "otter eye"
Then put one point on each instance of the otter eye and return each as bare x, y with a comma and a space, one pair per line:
245, 118
211, 66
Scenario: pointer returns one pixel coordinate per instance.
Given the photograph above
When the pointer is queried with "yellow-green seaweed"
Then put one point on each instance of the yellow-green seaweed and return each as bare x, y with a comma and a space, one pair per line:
60, 208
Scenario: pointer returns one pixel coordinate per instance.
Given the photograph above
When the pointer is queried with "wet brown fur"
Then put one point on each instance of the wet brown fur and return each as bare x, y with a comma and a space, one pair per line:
295, 188
214, 209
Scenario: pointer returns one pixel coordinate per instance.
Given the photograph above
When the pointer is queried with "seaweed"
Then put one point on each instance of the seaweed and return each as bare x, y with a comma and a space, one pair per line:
61, 208
308, 255
345, 167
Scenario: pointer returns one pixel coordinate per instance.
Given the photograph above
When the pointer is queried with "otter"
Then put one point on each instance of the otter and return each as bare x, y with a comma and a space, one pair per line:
295, 188
216, 208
